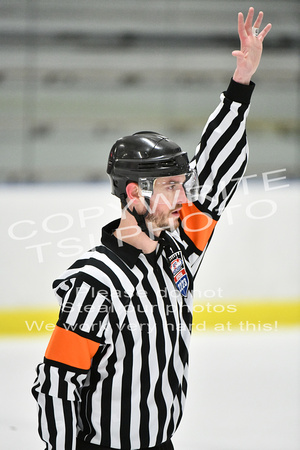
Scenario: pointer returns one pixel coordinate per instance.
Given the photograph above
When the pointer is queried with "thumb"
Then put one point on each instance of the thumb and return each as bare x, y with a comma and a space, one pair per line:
237, 54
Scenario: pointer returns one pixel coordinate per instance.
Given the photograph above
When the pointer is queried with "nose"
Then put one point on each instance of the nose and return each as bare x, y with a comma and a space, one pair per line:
182, 198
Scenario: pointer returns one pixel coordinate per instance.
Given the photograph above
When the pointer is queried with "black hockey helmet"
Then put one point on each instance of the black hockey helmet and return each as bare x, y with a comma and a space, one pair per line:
142, 155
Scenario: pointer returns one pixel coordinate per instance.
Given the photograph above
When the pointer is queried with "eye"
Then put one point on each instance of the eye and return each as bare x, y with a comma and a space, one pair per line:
171, 187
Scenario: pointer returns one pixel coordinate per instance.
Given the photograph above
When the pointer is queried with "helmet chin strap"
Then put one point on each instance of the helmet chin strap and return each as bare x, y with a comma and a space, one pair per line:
140, 218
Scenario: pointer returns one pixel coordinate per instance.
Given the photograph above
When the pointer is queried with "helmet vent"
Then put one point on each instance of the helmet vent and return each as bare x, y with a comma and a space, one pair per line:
154, 165
147, 166
168, 163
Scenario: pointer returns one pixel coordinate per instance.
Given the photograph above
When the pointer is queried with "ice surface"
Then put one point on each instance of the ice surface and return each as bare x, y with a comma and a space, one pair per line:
244, 392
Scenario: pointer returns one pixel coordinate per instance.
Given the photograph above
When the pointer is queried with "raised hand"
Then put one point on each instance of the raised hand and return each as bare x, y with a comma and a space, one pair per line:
251, 40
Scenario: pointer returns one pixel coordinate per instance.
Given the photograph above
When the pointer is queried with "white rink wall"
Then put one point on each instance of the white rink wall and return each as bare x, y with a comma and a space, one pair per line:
254, 253
243, 394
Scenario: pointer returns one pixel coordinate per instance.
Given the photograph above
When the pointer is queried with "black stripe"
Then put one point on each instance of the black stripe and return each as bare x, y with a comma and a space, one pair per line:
60, 291
69, 430
126, 385
161, 357
51, 363
120, 263
217, 148
51, 420
211, 128
85, 406
105, 420
45, 388
232, 186
223, 169
62, 385
145, 372
171, 327
39, 419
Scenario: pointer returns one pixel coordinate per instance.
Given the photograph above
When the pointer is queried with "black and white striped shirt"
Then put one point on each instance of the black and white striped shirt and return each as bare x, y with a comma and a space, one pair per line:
115, 370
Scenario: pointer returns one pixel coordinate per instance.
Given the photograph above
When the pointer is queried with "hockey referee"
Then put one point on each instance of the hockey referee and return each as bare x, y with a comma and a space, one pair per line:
114, 375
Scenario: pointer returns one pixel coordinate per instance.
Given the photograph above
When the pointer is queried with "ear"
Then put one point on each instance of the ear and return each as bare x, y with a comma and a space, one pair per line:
134, 198
132, 191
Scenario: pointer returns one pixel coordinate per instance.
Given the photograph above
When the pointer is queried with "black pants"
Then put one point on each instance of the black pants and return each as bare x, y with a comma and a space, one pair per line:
86, 446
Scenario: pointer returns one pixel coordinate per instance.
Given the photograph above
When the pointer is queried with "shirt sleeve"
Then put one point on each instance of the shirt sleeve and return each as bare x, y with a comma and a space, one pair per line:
220, 161
74, 342
57, 387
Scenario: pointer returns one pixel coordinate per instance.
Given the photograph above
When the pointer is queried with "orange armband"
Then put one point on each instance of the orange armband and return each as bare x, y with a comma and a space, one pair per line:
69, 348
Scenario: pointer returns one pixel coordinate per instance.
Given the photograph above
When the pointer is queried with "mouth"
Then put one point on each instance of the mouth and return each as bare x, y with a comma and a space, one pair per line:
175, 212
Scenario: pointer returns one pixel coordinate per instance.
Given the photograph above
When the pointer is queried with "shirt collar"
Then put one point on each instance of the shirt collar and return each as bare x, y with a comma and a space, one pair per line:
126, 252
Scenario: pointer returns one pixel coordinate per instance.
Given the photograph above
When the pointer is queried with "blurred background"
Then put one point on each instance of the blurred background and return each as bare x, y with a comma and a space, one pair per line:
74, 77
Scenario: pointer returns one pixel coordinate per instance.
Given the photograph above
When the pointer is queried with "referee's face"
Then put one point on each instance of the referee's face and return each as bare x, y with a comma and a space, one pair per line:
166, 202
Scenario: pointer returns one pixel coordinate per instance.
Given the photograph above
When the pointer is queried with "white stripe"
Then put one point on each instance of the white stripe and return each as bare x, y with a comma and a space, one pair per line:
221, 158
225, 180
43, 423
97, 395
96, 415
94, 271
77, 304
64, 302
152, 357
54, 377
212, 140
74, 427
126, 283
135, 381
94, 310
166, 389
71, 387
215, 113
41, 378
59, 422
116, 391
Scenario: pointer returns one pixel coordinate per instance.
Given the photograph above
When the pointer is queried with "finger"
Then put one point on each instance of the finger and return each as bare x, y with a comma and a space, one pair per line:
241, 26
248, 21
259, 19
264, 32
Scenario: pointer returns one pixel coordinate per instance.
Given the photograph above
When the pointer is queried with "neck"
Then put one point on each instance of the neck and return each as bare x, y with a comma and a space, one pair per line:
128, 231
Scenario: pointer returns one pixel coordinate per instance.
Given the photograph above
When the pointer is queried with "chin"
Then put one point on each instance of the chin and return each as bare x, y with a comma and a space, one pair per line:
168, 224
172, 225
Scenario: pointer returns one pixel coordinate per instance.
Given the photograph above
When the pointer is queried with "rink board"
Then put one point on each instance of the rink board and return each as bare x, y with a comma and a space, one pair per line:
258, 316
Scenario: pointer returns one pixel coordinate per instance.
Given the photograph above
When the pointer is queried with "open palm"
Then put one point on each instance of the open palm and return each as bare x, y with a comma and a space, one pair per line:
249, 55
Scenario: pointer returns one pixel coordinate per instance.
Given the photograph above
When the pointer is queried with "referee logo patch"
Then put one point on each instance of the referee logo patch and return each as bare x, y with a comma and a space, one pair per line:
179, 273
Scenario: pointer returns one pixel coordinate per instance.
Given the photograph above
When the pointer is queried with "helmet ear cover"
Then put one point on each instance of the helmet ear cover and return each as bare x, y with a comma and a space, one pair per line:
146, 186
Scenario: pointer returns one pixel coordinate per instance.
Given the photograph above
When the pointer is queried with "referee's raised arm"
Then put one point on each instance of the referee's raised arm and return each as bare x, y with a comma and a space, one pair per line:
222, 154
